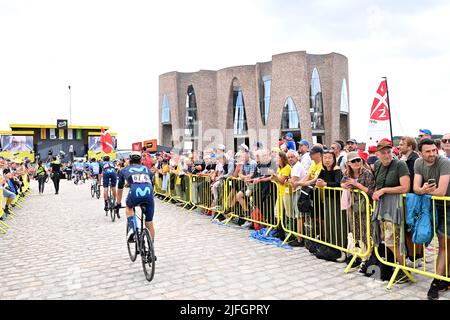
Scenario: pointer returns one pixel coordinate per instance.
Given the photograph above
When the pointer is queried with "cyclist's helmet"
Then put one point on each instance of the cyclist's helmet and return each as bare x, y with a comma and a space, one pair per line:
135, 156
106, 158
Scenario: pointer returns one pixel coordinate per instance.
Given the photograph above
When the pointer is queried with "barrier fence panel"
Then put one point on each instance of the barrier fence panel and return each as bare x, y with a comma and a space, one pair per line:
413, 249
251, 202
161, 185
3, 225
329, 216
180, 188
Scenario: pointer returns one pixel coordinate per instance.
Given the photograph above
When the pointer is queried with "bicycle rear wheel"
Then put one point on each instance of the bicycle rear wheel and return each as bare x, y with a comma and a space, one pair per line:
147, 255
92, 191
98, 192
132, 247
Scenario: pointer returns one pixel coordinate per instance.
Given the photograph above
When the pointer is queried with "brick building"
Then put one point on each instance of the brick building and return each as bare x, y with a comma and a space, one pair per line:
296, 92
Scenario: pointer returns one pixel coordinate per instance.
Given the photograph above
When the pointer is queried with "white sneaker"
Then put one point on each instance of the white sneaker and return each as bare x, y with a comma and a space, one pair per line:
247, 224
418, 264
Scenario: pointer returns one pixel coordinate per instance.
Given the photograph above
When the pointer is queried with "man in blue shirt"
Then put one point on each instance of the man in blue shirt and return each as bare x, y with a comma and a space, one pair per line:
109, 175
290, 143
139, 179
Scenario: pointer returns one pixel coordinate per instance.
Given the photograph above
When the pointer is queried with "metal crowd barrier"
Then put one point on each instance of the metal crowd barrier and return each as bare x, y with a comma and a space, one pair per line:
158, 188
258, 203
180, 189
325, 221
425, 257
16, 202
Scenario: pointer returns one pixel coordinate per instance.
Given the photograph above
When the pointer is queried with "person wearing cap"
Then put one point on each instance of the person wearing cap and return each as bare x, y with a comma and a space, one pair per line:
351, 145
372, 150
139, 179
303, 150
432, 176
290, 143
391, 181
424, 134
248, 170
358, 177
109, 177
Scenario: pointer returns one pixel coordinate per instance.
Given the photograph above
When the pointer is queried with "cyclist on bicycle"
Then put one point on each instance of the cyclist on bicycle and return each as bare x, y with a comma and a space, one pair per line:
78, 167
139, 179
109, 173
95, 170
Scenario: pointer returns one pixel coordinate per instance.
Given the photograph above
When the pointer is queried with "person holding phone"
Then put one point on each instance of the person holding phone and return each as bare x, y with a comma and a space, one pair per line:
432, 175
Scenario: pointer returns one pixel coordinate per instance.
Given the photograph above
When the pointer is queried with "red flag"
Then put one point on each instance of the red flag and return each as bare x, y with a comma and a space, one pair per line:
106, 142
380, 105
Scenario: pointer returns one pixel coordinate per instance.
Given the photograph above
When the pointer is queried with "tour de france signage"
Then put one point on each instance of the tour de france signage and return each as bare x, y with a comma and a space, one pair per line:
61, 124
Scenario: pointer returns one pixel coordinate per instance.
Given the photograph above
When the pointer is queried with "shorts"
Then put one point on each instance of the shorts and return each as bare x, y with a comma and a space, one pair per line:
296, 198
443, 217
390, 233
109, 175
8, 194
142, 194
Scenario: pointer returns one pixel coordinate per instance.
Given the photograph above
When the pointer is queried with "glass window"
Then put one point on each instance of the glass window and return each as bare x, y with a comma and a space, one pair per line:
344, 97
316, 102
240, 119
165, 110
290, 118
265, 103
191, 129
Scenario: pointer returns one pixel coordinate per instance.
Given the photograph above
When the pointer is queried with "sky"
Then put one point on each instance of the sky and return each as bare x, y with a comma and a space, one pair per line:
112, 52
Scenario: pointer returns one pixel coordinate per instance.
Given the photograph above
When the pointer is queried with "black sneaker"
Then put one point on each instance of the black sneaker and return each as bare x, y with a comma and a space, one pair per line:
436, 286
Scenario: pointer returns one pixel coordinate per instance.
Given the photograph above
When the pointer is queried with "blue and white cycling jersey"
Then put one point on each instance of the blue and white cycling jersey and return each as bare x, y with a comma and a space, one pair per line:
108, 166
78, 166
139, 179
94, 168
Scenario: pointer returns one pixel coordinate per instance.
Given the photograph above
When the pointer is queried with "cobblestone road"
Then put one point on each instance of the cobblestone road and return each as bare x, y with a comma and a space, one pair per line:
63, 247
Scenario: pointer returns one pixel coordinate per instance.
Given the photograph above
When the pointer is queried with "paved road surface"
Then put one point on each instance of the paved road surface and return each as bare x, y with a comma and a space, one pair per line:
63, 247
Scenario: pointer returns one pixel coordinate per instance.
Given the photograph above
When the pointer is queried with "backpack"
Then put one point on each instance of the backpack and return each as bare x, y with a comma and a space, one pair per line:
327, 253
256, 215
372, 265
304, 203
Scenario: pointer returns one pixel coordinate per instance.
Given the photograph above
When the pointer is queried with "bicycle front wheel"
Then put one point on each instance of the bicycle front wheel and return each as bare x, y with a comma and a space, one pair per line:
147, 255
132, 247
98, 192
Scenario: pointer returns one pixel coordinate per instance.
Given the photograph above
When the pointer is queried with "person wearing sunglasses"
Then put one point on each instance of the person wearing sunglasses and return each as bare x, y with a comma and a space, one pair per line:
446, 144
358, 177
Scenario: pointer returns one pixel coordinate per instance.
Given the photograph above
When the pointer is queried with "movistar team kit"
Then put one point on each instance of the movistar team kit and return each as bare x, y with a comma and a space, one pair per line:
139, 178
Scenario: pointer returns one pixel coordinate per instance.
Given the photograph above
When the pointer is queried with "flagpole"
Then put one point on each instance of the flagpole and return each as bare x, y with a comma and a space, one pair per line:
389, 109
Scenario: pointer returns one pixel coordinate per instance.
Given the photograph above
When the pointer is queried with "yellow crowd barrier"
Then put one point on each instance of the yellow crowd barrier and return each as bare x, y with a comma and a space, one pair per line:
251, 202
180, 188
426, 260
15, 203
319, 215
158, 188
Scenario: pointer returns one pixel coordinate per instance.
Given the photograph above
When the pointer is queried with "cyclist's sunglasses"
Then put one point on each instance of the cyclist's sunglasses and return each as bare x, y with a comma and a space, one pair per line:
356, 160
445, 140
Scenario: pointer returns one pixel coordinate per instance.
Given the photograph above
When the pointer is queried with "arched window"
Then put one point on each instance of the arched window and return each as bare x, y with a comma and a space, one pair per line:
316, 102
290, 118
344, 97
165, 110
265, 102
191, 113
240, 119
